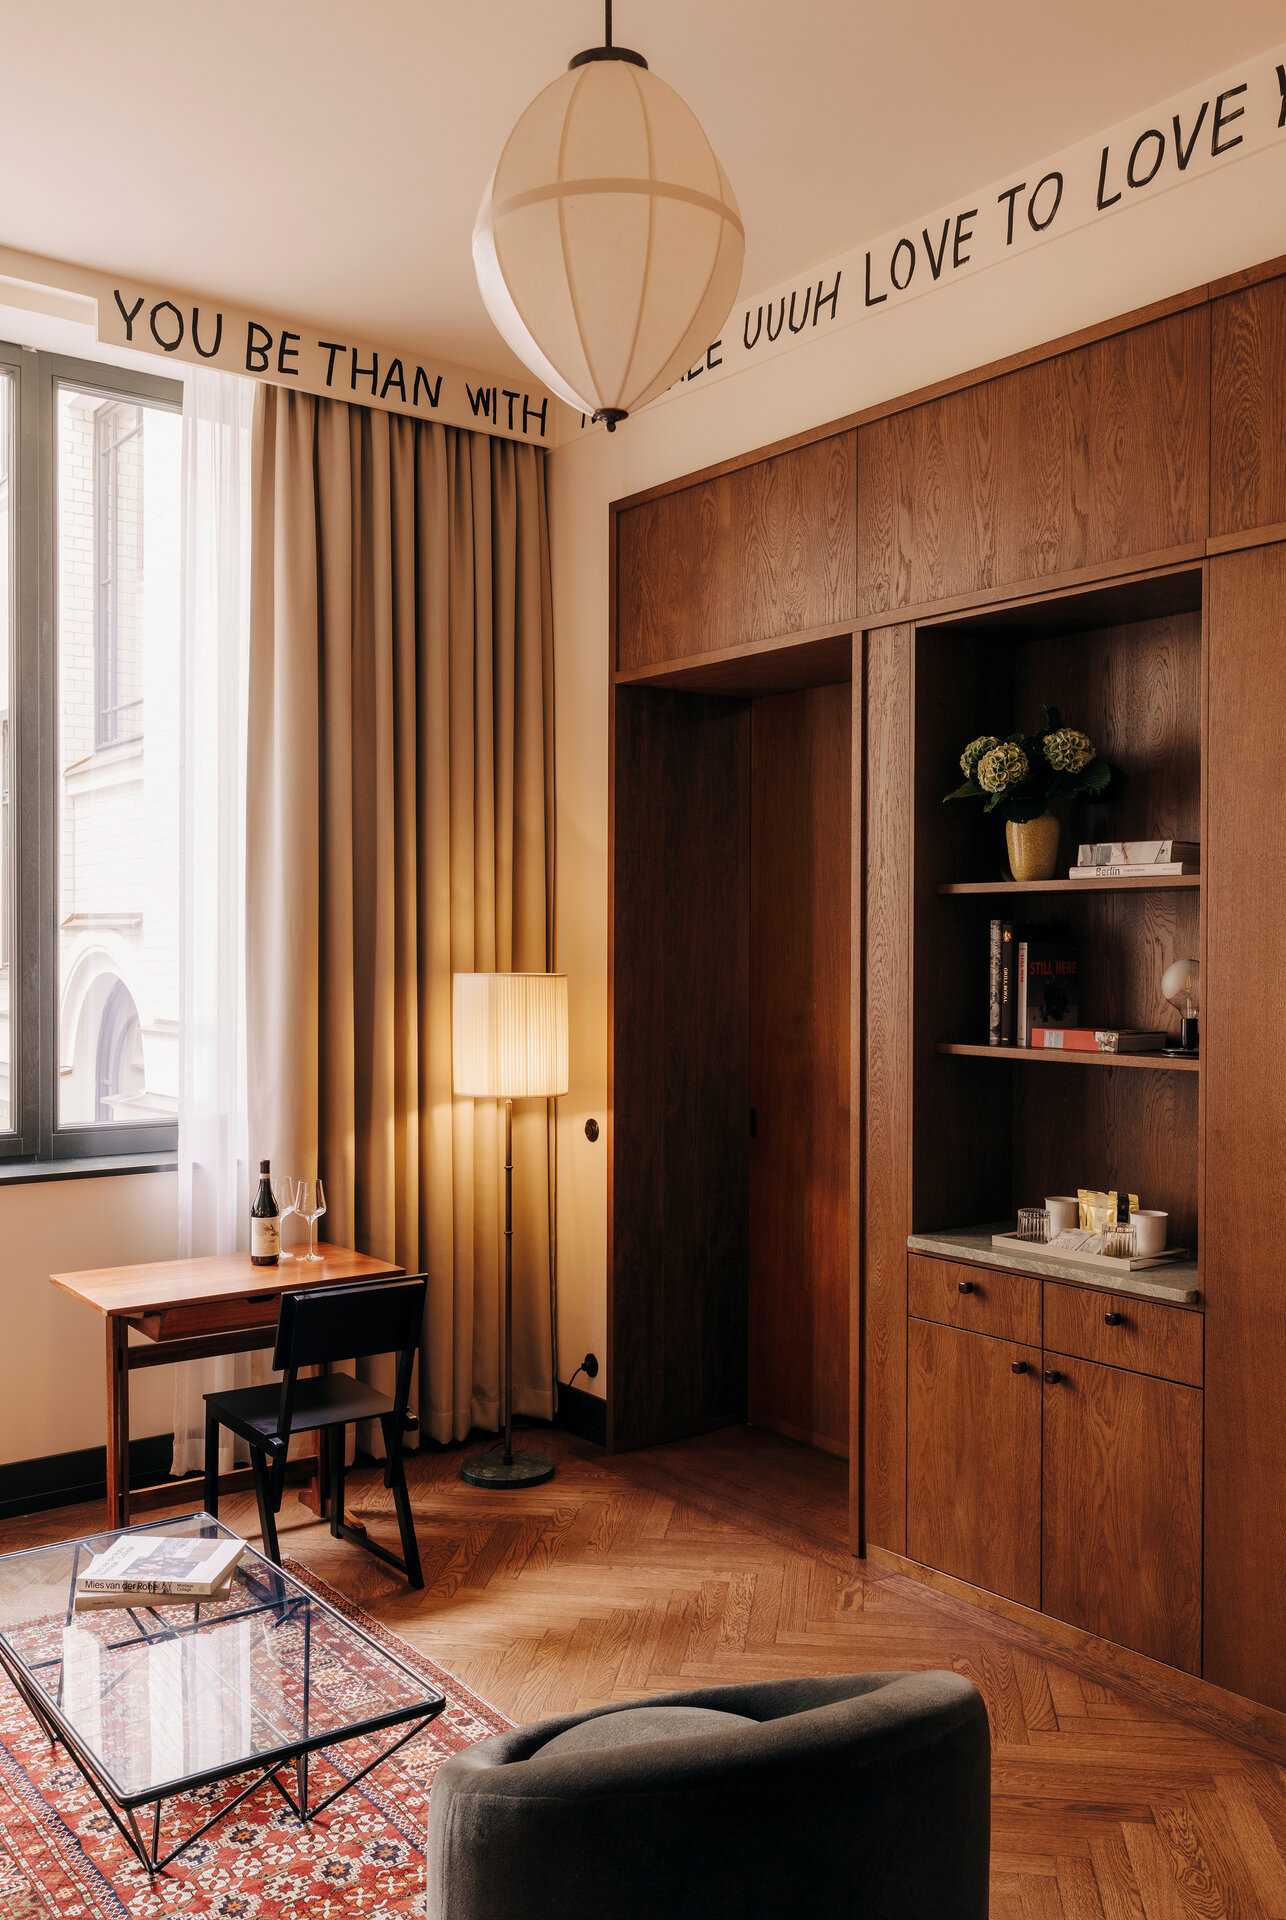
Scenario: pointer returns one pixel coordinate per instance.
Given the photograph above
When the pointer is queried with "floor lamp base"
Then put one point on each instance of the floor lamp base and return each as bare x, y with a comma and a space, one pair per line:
493, 1470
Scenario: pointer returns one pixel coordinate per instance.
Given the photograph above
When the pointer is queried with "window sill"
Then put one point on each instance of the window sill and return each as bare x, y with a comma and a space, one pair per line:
18, 1173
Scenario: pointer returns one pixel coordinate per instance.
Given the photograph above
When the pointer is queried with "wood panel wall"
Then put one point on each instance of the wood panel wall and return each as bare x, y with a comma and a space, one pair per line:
886, 1178
680, 1065
767, 550
1244, 1073
800, 920
1091, 456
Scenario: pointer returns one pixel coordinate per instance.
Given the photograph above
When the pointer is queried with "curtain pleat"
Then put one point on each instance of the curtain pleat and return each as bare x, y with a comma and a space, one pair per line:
400, 829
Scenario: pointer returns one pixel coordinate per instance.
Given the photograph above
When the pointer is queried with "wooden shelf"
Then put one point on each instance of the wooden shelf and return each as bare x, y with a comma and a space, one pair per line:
1142, 885
1056, 1057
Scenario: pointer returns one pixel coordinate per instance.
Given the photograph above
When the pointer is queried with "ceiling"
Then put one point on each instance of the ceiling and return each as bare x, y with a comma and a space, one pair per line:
325, 158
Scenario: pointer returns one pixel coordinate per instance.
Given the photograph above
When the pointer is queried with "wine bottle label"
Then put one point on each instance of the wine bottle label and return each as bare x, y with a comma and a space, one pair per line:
265, 1239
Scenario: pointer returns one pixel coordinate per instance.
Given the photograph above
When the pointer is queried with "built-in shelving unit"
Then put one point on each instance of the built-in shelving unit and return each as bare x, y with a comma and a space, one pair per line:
986, 1141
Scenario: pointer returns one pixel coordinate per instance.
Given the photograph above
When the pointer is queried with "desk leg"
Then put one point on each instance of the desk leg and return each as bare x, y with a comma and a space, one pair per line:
117, 1422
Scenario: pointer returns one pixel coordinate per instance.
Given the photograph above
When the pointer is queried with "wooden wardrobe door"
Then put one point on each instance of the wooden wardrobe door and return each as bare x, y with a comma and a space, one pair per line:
1121, 1529
1243, 1077
973, 1458
800, 889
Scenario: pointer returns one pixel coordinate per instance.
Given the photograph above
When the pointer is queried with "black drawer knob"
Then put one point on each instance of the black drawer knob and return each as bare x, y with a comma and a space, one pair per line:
1053, 1376
1018, 1366
964, 1286
1113, 1319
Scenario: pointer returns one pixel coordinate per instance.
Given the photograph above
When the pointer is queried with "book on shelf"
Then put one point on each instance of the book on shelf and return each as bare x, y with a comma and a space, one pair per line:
1140, 853
993, 987
1008, 984
1097, 1039
1133, 871
182, 1567
1047, 976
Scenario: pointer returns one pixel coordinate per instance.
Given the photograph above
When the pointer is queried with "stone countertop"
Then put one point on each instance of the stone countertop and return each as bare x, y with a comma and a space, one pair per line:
1177, 1284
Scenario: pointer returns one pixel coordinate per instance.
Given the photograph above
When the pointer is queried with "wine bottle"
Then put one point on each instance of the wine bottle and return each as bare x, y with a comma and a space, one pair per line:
265, 1229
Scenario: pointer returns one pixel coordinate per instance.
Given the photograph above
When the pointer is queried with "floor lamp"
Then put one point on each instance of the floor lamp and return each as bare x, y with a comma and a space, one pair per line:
508, 1042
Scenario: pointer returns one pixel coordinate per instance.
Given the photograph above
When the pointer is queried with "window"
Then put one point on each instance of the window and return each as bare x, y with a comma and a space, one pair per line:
90, 475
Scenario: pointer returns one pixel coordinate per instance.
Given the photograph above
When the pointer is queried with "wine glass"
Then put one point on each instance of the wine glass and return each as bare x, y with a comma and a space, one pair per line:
310, 1205
285, 1192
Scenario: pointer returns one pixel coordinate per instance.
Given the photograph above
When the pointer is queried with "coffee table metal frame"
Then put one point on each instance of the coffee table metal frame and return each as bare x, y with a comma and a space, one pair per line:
150, 1627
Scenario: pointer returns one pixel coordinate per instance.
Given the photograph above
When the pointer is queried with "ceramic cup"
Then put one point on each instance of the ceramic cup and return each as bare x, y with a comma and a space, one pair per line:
1149, 1231
1064, 1212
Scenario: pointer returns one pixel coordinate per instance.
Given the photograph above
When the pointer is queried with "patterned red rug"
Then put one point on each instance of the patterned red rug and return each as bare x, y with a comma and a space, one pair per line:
62, 1859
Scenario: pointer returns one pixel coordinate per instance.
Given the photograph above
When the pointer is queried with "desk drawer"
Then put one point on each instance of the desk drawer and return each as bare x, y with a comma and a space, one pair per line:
983, 1299
1144, 1336
209, 1316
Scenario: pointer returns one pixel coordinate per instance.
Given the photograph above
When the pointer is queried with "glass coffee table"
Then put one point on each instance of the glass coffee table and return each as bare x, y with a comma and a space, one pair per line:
151, 1702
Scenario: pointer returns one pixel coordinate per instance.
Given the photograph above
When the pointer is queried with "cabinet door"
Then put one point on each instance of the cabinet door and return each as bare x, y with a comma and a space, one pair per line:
1091, 456
1248, 405
766, 550
973, 1458
1122, 1508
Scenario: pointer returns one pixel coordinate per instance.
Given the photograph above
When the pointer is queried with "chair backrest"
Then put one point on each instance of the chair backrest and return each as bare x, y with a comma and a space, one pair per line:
348, 1323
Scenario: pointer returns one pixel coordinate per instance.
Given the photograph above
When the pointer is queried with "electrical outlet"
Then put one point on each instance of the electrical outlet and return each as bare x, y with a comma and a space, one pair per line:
590, 1364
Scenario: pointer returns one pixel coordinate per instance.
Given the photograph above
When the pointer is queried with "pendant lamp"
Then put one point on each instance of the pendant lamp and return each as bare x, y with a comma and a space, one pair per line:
608, 246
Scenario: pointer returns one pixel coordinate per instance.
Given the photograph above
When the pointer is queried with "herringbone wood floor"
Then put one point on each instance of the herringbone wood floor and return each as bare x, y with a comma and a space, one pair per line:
715, 1560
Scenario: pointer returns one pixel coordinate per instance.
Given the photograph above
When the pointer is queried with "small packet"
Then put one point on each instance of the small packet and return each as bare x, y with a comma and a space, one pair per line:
1099, 1211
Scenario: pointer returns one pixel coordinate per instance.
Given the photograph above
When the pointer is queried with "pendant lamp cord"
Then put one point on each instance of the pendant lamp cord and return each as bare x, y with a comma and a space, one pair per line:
607, 9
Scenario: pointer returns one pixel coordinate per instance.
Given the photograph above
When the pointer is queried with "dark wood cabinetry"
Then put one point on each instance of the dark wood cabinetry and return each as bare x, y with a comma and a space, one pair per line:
1121, 1530
1088, 457
1038, 1473
973, 1458
766, 550
1100, 524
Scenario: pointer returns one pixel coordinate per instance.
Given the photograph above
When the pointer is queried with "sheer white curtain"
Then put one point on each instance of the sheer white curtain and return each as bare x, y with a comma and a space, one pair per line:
218, 414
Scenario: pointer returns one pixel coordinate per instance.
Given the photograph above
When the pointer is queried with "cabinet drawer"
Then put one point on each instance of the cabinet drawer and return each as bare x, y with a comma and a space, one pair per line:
983, 1299
1145, 1336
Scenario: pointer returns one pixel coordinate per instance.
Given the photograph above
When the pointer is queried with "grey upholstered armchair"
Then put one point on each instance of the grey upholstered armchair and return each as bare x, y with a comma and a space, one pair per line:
861, 1797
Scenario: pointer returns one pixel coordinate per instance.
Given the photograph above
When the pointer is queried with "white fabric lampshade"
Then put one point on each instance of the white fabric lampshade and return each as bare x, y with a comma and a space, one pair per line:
608, 246
509, 1035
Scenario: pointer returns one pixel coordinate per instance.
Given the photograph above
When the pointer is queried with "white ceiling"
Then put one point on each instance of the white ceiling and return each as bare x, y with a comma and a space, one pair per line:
326, 157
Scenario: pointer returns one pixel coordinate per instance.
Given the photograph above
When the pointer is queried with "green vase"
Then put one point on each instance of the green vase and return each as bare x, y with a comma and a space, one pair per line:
1033, 847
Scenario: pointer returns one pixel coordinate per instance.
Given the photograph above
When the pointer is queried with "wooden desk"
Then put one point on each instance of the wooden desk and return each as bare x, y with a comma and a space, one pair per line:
193, 1310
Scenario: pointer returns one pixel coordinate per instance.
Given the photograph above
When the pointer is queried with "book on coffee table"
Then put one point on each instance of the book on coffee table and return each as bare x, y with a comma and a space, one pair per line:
171, 1568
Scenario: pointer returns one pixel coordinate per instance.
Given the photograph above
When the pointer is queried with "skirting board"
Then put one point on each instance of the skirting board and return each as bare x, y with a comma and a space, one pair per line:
65, 1479
583, 1414
1229, 1716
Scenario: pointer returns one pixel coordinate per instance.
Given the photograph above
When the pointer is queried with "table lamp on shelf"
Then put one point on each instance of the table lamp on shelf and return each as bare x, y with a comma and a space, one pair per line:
508, 1042
1181, 985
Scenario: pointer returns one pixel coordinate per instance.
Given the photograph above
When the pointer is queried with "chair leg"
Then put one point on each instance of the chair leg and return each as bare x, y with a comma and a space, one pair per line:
395, 1477
212, 1463
337, 1441
267, 1518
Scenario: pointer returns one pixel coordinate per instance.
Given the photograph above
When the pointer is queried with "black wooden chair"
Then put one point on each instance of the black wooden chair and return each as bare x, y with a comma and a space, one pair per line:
316, 1328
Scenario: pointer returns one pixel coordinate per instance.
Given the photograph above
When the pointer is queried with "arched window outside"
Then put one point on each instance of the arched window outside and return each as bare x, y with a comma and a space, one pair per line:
119, 1053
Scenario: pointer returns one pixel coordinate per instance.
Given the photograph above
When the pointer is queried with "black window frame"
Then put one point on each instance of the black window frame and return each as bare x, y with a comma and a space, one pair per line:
34, 1132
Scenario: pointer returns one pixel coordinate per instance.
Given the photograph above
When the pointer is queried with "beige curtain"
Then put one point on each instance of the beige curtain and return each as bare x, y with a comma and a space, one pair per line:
400, 829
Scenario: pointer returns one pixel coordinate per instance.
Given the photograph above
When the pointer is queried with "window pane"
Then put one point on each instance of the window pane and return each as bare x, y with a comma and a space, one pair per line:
6, 758
118, 800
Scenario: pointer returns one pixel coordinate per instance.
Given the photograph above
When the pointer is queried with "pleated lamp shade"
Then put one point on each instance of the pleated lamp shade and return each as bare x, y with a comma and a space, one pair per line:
608, 246
509, 1034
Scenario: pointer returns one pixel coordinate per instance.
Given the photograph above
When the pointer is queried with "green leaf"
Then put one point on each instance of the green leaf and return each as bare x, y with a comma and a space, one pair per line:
1095, 777
1053, 720
970, 790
